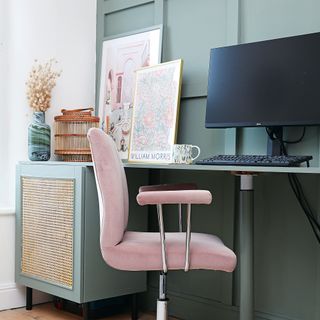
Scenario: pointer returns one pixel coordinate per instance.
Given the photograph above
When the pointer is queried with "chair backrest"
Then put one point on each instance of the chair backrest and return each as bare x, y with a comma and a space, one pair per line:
112, 187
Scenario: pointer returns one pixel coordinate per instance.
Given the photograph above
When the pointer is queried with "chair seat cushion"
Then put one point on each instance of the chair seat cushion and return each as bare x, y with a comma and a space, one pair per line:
174, 196
142, 251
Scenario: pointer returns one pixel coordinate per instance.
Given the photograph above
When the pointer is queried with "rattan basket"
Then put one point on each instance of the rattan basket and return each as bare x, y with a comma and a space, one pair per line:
71, 143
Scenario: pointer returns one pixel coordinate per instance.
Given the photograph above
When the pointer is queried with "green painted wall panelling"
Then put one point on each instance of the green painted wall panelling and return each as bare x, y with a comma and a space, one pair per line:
191, 128
191, 34
285, 248
269, 19
287, 258
126, 20
262, 20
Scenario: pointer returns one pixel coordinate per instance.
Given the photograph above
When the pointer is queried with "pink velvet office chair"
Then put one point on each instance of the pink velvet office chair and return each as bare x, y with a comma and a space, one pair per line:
144, 251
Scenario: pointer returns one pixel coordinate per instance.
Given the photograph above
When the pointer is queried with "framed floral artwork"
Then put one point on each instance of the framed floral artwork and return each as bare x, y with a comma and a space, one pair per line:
155, 112
121, 57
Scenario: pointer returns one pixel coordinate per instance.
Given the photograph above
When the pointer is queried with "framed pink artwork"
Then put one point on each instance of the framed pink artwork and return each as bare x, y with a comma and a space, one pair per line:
155, 112
121, 57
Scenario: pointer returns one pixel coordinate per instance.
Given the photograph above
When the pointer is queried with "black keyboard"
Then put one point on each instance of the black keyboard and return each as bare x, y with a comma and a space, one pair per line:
255, 160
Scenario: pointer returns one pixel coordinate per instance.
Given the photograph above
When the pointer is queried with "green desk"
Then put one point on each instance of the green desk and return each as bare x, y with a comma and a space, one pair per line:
136, 176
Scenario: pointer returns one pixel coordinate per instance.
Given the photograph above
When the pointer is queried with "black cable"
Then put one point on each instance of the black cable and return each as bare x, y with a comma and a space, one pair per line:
273, 136
300, 195
296, 185
298, 140
297, 188
271, 133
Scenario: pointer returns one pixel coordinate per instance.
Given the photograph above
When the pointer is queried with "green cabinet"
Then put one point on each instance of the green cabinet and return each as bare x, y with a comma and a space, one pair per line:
57, 233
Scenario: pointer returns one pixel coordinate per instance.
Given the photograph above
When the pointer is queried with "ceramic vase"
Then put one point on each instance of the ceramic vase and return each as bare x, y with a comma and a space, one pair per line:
39, 138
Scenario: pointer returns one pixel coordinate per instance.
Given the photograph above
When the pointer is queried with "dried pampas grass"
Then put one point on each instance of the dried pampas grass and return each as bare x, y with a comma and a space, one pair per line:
40, 83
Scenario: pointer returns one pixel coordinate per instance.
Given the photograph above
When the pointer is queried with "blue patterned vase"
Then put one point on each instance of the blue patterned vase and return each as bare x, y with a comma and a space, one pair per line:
39, 138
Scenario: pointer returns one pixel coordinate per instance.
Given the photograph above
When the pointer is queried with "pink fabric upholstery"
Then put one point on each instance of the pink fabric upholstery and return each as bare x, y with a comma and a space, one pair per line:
174, 196
112, 187
142, 251
137, 251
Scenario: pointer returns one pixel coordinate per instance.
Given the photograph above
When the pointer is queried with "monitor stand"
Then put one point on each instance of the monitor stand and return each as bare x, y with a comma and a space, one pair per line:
275, 135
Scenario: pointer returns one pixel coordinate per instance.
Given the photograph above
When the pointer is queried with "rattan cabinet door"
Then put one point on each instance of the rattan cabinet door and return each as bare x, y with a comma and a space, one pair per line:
48, 230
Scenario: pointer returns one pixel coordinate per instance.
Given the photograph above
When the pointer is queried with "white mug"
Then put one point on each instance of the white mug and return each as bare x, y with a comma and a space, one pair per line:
182, 153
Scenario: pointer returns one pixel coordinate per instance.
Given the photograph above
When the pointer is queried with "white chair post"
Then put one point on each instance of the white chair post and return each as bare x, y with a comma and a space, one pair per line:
162, 303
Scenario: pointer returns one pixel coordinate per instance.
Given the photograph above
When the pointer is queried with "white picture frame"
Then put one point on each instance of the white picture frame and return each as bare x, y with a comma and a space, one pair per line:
122, 55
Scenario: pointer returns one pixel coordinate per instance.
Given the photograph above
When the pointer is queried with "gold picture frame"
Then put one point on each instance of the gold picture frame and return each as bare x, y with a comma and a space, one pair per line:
155, 112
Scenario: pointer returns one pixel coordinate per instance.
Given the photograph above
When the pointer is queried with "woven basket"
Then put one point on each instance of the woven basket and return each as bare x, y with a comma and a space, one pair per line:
71, 143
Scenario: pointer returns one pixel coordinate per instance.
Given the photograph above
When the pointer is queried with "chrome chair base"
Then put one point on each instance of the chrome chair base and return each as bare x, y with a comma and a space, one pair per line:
162, 309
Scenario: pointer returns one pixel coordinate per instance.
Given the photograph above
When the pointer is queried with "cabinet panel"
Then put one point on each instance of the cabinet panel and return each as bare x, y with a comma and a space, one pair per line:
57, 234
47, 229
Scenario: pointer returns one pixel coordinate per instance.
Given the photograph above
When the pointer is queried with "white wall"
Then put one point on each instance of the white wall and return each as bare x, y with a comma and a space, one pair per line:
3, 106
37, 29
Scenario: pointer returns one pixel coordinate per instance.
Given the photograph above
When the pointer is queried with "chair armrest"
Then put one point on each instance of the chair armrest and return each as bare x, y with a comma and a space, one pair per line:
167, 187
174, 197
173, 194
172, 187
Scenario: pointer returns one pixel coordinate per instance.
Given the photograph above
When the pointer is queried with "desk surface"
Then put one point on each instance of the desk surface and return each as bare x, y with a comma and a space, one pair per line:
194, 167
250, 169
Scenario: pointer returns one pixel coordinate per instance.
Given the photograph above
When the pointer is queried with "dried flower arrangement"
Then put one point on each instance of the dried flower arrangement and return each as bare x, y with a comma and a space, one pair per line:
40, 83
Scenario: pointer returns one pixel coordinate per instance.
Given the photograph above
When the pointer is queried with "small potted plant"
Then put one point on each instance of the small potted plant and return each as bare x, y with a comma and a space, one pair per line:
41, 81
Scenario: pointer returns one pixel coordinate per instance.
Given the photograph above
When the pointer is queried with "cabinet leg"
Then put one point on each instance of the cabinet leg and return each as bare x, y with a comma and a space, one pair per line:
28, 298
134, 307
85, 311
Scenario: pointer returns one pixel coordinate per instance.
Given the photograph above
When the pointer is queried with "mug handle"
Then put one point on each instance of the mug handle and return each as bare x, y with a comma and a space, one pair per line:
198, 149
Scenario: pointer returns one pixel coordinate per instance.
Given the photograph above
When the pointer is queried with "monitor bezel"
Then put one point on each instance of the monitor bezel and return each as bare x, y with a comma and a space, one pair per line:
250, 124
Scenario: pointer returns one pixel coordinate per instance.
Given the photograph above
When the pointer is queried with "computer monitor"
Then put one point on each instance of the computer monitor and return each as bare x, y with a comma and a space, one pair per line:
271, 83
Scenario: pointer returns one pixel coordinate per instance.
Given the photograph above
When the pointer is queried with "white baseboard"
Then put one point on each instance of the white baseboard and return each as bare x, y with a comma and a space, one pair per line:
7, 211
13, 296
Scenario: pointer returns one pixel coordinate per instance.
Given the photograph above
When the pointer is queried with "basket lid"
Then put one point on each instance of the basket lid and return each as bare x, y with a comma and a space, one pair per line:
78, 115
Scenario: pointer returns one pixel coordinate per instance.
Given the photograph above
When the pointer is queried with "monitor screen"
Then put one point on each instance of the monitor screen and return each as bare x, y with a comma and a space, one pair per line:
267, 83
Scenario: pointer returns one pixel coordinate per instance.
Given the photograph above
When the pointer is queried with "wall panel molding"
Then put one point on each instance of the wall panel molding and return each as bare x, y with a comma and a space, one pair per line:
228, 30
184, 306
111, 6
159, 11
233, 23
